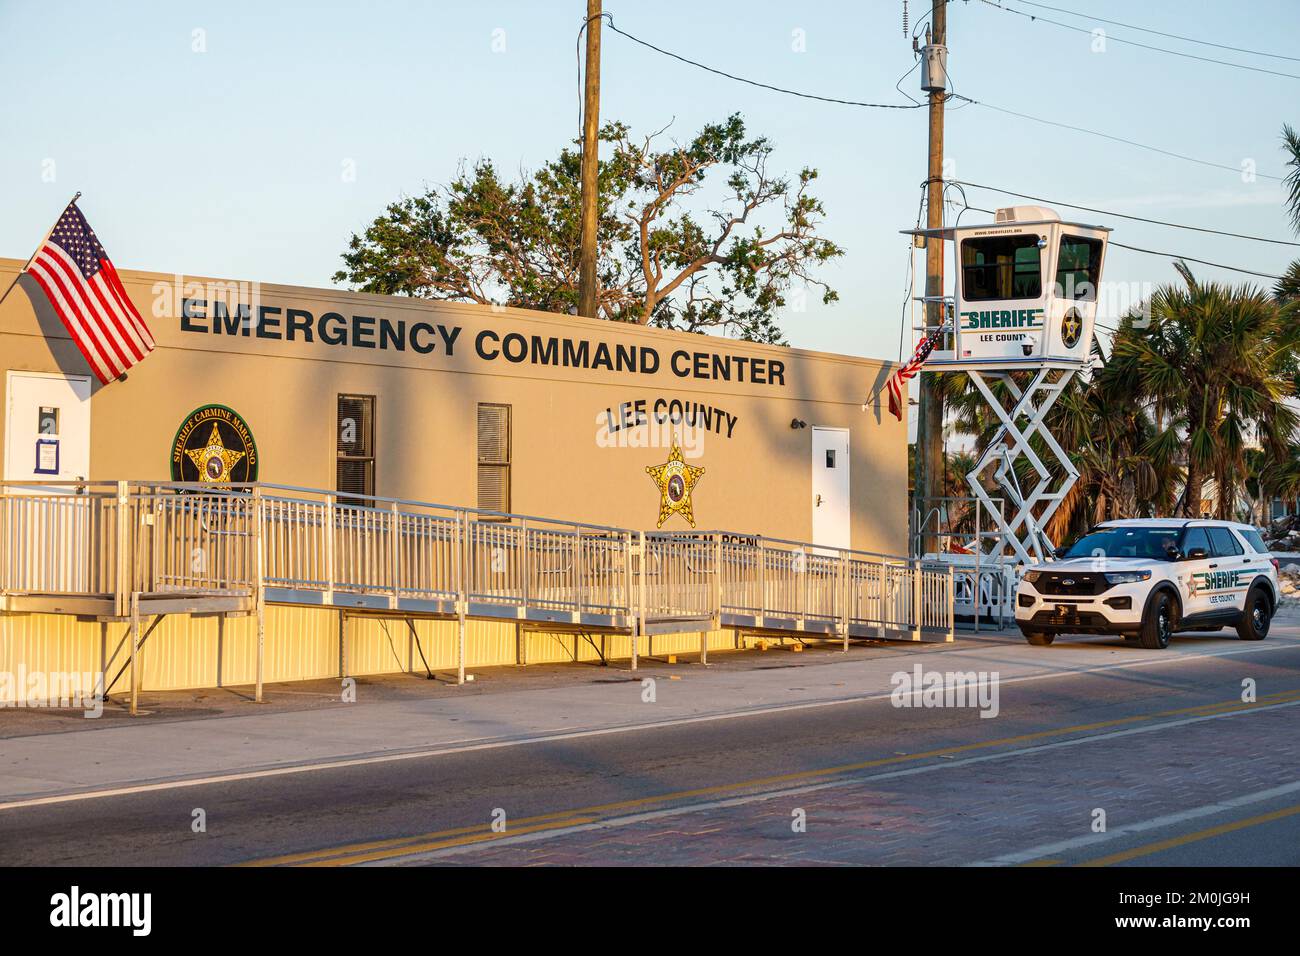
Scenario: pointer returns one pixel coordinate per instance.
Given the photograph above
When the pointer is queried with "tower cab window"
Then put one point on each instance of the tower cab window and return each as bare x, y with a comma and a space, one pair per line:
1078, 266
999, 268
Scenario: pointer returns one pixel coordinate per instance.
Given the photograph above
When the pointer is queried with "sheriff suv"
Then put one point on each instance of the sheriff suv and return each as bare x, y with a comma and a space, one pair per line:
1145, 579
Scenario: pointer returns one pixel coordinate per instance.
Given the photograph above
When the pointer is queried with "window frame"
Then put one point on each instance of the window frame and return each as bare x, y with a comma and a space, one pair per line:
1093, 268
1251, 536
1185, 547
373, 458
1017, 242
507, 465
1214, 533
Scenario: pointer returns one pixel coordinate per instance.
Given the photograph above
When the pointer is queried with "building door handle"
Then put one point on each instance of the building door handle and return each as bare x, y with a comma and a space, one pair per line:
818, 502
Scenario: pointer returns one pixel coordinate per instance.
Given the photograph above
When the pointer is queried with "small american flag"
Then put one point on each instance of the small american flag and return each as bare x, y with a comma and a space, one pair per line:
79, 280
903, 373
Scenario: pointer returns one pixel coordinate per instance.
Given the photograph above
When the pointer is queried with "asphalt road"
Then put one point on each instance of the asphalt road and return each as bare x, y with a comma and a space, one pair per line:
1167, 756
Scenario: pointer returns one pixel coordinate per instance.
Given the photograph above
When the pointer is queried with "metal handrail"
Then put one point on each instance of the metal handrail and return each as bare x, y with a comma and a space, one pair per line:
150, 537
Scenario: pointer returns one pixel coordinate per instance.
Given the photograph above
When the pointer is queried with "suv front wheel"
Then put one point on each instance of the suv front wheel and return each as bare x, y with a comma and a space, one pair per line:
1158, 621
1256, 617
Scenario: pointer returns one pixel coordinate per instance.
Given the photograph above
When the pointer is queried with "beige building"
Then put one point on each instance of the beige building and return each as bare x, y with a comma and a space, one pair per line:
498, 409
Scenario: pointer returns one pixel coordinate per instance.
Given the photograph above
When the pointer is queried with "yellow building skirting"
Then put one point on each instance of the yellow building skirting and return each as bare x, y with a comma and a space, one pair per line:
301, 644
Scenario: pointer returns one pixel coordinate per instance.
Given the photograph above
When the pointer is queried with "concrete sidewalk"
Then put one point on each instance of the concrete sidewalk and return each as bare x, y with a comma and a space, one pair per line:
141, 752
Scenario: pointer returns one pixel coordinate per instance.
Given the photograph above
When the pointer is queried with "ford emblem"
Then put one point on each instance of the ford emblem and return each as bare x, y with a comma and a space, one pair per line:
1068, 582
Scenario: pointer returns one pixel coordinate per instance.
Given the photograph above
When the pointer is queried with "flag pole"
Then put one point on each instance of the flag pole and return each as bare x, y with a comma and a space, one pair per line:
30, 258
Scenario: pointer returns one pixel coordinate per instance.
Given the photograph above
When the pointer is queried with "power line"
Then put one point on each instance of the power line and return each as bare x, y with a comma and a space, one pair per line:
766, 86
1038, 18
1121, 215
918, 104
845, 102
1163, 255
1115, 139
1171, 36
1203, 262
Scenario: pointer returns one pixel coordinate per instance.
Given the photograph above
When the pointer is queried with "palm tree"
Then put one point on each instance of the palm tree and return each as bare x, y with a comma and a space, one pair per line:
1211, 363
1291, 145
1270, 478
1287, 288
1108, 433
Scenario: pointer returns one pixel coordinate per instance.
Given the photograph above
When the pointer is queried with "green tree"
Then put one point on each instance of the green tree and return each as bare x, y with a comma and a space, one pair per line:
699, 236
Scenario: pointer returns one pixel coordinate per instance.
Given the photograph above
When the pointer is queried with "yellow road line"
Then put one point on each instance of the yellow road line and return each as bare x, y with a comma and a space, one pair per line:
400, 846
456, 841
1148, 849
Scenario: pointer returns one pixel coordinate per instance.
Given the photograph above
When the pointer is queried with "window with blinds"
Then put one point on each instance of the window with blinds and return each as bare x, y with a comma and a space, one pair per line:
355, 447
494, 457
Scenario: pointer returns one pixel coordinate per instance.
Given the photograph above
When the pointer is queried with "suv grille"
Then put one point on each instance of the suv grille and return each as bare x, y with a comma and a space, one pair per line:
1073, 583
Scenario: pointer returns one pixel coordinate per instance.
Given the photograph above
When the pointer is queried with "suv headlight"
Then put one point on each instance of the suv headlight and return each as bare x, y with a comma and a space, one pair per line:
1127, 577
1032, 576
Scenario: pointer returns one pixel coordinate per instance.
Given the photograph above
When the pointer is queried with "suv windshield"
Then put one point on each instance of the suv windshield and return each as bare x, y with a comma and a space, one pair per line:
1136, 542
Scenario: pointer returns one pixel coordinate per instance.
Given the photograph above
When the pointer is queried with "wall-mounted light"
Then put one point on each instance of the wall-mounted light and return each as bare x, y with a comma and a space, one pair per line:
796, 424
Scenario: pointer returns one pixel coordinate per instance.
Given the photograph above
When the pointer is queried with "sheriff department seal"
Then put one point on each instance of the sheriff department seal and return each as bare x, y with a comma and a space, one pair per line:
214, 445
1071, 328
676, 480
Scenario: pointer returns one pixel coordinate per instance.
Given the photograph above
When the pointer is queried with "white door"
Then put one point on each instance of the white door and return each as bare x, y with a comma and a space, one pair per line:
830, 486
47, 427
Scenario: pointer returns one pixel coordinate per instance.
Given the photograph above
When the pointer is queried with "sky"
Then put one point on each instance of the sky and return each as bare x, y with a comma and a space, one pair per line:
250, 140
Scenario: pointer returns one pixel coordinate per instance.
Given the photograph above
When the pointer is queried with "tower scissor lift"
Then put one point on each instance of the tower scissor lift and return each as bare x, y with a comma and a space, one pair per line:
1025, 300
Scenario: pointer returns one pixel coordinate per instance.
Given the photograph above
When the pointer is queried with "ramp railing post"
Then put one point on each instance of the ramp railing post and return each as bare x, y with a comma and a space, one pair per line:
629, 602
135, 649
716, 621
462, 597
882, 598
327, 534
394, 552
846, 595
803, 586
259, 545
526, 569
916, 600
121, 564
952, 624
580, 579
641, 595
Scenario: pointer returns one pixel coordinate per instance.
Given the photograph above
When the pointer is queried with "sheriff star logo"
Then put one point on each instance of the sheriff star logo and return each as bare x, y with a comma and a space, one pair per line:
215, 460
675, 479
1070, 329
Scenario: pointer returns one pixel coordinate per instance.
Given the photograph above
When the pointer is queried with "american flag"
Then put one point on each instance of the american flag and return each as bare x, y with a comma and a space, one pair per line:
79, 280
903, 373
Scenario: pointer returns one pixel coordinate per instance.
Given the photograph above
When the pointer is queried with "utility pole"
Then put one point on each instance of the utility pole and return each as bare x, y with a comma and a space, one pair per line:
929, 413
587, 291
